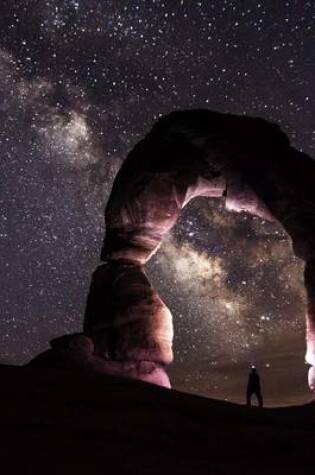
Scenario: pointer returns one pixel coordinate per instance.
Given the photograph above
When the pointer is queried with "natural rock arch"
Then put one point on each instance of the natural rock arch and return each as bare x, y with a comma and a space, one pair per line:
128, 329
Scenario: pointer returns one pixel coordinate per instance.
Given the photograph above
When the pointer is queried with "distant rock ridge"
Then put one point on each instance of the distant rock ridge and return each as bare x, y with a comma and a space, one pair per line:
246, 161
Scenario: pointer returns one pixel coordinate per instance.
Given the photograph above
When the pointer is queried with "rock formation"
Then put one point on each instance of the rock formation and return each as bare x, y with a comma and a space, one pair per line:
247, 161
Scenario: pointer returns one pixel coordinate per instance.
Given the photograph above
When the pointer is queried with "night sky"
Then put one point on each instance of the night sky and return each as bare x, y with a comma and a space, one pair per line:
81, 81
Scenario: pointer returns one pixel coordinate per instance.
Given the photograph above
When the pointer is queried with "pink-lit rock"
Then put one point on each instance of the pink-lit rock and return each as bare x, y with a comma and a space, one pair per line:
311, 378
247, 161
125, 317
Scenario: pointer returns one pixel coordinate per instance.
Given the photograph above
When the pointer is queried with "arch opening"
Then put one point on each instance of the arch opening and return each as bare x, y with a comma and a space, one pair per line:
237, 298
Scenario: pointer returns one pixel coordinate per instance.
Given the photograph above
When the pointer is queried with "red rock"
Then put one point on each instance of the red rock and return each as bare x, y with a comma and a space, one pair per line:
247, 161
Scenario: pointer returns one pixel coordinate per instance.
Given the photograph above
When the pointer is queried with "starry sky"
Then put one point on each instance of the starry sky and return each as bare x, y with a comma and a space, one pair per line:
81, 81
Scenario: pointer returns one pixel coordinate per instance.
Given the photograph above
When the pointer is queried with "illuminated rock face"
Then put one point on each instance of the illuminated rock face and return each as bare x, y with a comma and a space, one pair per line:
188, 154
192, 153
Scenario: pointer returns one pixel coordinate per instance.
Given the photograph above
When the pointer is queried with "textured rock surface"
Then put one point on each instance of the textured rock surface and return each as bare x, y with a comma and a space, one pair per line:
192, 153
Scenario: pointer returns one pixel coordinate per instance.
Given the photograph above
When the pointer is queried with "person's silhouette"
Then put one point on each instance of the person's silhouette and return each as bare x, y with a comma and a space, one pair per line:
253, 387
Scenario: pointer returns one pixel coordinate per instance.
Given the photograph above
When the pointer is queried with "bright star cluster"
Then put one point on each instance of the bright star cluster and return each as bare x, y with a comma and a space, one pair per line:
81, 81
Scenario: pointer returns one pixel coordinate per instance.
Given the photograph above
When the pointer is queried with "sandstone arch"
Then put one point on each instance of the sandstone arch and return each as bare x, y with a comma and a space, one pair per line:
190, 153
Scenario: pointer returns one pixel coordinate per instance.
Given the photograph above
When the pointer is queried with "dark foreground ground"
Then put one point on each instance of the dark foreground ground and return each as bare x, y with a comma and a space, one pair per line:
70, 423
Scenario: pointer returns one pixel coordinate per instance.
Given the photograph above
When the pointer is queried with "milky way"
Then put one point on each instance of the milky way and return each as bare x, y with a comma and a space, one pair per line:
80, 83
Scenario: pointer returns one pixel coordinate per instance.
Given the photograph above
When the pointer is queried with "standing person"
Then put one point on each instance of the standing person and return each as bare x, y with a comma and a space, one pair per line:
253, 387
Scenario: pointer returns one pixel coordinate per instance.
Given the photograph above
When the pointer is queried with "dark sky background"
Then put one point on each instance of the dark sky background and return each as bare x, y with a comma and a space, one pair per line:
81, 81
